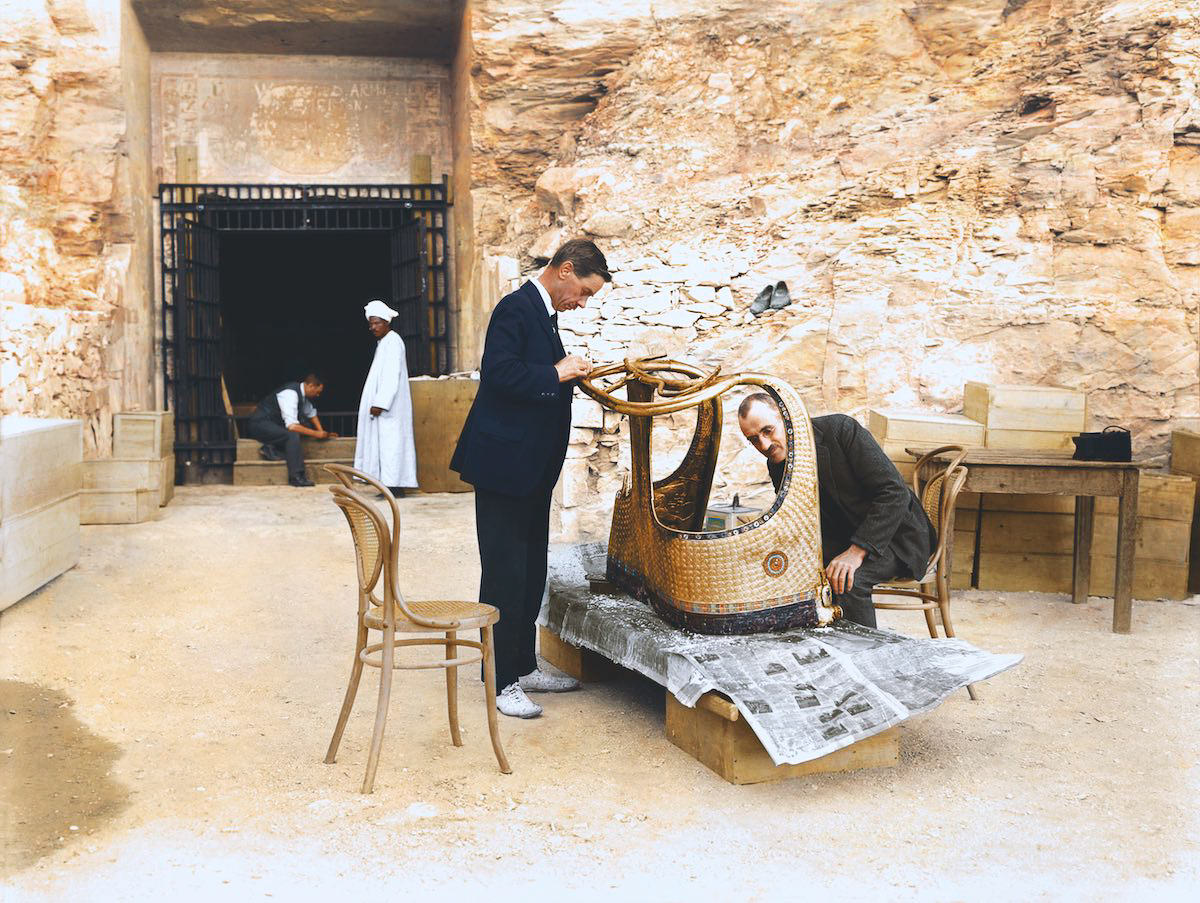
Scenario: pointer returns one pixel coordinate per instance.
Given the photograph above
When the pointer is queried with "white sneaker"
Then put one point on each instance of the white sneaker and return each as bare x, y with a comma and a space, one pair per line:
539, 681
513, 702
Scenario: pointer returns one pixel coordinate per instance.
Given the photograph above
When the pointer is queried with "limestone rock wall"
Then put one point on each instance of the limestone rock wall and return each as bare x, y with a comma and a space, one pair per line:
994, 190
76, 332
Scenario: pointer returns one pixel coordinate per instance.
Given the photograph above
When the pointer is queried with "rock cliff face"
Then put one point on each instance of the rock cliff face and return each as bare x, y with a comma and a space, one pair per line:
74, 339
1005, 191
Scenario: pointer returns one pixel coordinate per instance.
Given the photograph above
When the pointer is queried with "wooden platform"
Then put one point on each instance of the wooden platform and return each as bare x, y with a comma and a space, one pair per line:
715, 734
251, 470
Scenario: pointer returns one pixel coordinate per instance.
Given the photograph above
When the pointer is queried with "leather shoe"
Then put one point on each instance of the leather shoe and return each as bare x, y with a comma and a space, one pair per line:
301, 481
513, 702
539, 681
269, 453
761, 301
780, 298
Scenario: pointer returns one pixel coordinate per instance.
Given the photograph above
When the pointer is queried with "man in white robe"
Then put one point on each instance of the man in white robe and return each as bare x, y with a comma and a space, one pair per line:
385, 447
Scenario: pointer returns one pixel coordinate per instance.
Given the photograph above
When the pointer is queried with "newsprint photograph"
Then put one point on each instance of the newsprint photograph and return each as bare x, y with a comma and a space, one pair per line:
600, 450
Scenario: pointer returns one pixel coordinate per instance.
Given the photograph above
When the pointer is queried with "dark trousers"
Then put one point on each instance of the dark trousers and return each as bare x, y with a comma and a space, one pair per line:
514, 541
856, 602
287, 441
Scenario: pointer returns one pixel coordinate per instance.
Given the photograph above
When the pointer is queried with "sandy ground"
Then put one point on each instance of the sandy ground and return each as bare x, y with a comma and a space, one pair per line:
167, 704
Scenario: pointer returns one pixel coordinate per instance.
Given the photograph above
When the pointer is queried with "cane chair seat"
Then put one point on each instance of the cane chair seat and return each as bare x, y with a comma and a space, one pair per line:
383, 608
448, 615
936, 486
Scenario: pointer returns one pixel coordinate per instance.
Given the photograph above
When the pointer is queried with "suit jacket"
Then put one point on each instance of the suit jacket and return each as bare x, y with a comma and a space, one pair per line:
867, 494
515, 436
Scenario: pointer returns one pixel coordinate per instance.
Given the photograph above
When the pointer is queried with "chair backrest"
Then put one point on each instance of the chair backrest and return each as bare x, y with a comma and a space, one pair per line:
937, 484
375, 546
372, 538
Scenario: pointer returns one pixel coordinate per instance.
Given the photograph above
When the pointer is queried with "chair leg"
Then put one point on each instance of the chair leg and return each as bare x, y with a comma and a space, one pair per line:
930, 621
944, 608
348, 702
452, 689
381, 709
489, 686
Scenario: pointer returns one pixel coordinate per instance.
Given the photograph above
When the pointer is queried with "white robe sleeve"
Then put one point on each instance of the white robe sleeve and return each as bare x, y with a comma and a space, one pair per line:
390, 364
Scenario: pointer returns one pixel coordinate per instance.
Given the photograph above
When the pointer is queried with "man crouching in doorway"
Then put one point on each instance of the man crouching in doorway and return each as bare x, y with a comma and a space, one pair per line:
279, 421
873, 528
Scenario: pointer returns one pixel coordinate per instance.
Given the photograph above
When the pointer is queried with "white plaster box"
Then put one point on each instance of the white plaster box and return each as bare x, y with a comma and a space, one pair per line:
41, 471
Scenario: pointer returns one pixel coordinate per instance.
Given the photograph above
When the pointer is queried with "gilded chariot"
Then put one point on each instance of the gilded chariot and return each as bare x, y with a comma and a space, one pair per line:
760, 576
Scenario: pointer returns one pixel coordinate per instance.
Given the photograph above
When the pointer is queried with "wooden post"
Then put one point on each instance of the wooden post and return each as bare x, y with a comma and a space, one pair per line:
1126, 546
1085, 509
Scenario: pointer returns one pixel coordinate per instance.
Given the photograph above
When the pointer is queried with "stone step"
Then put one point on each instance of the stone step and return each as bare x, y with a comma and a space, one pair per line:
274, 473
247, 449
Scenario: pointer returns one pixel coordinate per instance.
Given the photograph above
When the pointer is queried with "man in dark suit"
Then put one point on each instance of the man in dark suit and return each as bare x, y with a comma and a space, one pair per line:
873, 528
511, 450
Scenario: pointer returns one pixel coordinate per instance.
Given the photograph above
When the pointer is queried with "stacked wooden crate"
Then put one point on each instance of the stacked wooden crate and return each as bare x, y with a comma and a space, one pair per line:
1185, 461
897, 430
1026, 542
1026, 417
139, 478
40, 474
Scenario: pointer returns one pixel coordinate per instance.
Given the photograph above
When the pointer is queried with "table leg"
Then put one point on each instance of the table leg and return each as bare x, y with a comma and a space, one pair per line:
1126, 545
1085, 507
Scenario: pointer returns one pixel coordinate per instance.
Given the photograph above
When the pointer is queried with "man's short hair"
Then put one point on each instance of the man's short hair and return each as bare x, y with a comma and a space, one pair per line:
749, 400
314, 379
587, 259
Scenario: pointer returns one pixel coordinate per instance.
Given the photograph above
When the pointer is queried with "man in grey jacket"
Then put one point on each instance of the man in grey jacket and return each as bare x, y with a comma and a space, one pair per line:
873, 528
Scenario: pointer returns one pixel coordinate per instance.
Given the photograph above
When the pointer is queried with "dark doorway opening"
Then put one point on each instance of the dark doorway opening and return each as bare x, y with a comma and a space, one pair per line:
293, 303
296, 294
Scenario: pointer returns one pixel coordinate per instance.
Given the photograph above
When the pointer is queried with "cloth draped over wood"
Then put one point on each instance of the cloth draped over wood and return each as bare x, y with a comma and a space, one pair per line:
385, 448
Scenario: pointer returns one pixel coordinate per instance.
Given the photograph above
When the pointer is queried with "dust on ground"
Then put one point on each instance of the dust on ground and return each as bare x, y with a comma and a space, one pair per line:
204, 656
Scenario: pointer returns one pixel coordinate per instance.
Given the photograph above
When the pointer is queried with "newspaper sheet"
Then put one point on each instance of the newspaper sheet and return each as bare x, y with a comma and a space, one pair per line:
805, 693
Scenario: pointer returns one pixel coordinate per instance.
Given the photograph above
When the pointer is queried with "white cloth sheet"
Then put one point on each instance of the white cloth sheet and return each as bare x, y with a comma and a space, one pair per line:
385, 448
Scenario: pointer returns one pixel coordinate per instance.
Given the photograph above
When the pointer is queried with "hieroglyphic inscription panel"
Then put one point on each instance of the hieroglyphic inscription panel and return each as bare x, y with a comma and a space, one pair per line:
295, 119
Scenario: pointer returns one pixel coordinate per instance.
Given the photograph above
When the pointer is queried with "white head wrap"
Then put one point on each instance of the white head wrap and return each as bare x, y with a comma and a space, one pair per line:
381, 310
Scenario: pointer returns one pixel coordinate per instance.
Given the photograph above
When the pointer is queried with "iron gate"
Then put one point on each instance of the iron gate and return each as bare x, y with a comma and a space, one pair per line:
194, 216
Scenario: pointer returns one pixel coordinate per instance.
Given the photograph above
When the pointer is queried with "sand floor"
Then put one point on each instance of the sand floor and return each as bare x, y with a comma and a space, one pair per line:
165, 707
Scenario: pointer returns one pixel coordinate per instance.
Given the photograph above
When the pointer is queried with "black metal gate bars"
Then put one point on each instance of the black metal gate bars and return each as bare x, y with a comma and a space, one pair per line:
192, 220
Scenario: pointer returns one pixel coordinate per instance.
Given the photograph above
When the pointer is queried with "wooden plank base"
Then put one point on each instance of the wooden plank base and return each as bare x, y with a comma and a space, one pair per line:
715, 734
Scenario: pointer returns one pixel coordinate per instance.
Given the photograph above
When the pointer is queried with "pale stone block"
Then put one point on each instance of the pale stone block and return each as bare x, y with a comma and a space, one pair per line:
586, 413
574, 483
677, 319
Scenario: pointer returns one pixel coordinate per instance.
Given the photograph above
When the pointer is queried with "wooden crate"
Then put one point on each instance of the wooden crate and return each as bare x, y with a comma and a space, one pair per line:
41, 468
117, 506
1050, 573
1054, 534
38, 546
132, 473
715, 734
1039, 440
920, 428
41, 462
440, 408
146, 435
1185, 461
1039, 408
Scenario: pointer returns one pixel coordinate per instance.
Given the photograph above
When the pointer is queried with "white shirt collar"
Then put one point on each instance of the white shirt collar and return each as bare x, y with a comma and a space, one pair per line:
537, 283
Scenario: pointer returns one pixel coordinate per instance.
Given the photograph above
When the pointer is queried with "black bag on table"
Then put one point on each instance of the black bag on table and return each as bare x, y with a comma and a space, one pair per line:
1111, 445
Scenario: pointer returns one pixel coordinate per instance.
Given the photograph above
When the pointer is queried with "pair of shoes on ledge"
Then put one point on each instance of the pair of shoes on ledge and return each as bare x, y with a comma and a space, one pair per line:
513, 702
773, 297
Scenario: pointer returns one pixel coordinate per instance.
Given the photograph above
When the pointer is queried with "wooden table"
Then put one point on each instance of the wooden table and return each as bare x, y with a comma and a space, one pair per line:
1048, 473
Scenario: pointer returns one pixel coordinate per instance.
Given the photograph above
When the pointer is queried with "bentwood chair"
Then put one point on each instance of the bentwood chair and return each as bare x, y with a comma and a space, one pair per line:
382, 608
937, 485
